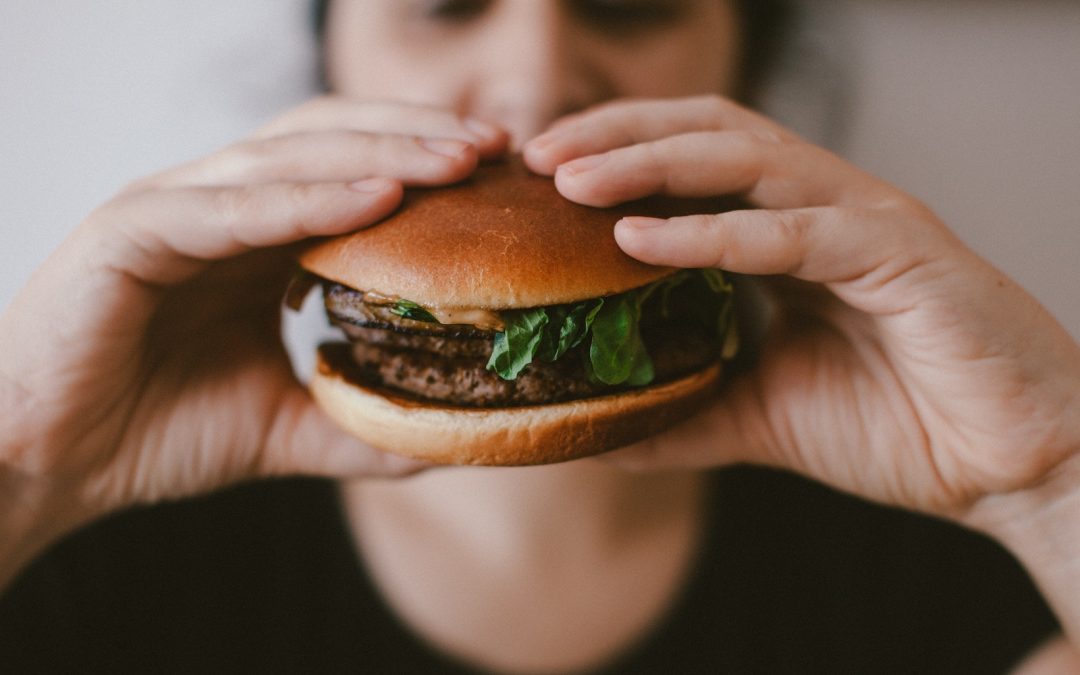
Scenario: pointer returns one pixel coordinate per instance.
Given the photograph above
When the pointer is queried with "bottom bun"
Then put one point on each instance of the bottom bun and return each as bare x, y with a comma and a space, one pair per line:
539, 434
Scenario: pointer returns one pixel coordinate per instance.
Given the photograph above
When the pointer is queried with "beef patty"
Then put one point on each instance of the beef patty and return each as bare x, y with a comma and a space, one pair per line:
448, 363
454, 370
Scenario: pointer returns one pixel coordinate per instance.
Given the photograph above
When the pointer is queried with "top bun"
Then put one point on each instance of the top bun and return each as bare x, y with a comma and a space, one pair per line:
503, 239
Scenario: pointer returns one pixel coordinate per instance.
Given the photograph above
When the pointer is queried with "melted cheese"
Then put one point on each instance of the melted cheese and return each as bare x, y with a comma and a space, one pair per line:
484, 319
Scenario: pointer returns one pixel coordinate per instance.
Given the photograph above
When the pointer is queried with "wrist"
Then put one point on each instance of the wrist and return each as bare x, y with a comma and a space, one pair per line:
38, 504
36, 510
1040, 525
28, 523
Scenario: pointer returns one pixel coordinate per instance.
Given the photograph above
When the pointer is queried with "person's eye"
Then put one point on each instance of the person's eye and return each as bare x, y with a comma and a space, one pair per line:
452, 11
629, 15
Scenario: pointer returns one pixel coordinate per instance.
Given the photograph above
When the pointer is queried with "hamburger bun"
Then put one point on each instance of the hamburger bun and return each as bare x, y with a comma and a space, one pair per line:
524, 435
503, 240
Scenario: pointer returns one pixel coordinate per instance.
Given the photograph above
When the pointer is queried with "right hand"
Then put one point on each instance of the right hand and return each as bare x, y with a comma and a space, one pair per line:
143, 360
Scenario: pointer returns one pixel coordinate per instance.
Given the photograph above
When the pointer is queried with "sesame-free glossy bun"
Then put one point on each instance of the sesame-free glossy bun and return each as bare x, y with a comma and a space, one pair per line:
540, 434
503, 239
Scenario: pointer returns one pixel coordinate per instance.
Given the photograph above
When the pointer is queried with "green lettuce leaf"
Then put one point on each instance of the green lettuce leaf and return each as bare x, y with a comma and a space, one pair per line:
616, 353
548, 349
517, 345
575, 326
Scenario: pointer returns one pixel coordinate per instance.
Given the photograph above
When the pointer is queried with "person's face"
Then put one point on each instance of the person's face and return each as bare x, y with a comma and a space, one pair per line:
524, 63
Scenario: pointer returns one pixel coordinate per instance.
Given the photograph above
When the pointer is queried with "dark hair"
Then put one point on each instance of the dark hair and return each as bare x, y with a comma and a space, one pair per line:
765, 25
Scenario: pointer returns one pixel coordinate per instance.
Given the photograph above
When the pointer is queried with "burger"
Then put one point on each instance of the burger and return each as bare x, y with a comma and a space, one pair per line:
494, 322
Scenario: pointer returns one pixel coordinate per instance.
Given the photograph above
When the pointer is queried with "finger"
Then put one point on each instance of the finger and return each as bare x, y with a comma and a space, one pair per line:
164, 237
327, 156
858, 251
781, 414
732, 430
304, 441
616, 125
331, 113
816, 405
768, 170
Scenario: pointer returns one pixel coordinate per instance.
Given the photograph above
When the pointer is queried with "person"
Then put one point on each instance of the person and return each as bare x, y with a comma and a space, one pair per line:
142, 364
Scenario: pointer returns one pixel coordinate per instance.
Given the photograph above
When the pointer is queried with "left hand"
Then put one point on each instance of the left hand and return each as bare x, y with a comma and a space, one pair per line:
901, 367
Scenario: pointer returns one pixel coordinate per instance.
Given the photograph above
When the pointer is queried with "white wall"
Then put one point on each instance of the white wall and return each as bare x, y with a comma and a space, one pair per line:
96, 93
973, 105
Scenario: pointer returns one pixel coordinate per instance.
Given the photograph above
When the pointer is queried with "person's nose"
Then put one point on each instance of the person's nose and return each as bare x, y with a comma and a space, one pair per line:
535, 69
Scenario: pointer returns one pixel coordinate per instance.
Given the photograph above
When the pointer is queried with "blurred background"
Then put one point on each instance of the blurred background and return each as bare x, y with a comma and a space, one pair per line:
972, 105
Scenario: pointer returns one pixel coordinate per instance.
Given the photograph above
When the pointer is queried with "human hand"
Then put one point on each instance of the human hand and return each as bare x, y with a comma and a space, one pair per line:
143, 360
901, 367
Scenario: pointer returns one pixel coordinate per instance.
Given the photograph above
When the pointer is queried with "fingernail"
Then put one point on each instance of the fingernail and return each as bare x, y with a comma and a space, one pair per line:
584, 164
642, 222
370, 185
444, 146
481, 128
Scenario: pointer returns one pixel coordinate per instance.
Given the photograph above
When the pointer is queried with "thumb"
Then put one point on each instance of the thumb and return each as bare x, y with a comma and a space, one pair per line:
733, 429
305, 441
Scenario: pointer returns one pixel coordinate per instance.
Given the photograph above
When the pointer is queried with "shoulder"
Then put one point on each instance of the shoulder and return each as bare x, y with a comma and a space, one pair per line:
168, 574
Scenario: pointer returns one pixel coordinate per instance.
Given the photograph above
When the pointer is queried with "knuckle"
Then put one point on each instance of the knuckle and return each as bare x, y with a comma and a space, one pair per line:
717, 105
286, 120
384, 116
714, 228
749, 159
375, 115
760, 141
615, 110
391, 117
233, 205
298, 194
320, 103
792, 225
238, 159
120, 209
317, 106
140, 185
356, 140
351, 146
652, 156
793, 228
744, 141
608, 106
917, 220
641, 106
300, 112
766, 137
102, 214
909, 207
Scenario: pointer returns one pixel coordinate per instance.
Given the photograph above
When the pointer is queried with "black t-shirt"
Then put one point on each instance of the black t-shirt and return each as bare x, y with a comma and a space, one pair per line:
795, 578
